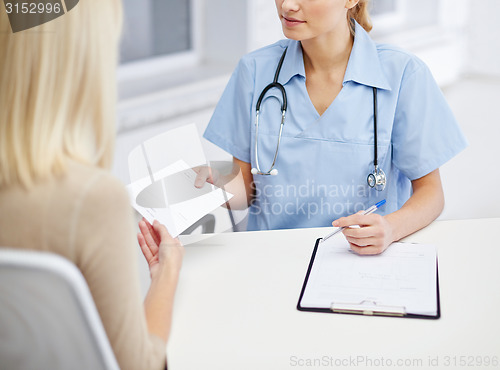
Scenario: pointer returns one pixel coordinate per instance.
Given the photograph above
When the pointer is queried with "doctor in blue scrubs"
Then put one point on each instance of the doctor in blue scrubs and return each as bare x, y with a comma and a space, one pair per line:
336, 81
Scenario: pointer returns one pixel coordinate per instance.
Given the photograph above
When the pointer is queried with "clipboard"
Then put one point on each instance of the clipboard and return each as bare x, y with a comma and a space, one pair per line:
365, 307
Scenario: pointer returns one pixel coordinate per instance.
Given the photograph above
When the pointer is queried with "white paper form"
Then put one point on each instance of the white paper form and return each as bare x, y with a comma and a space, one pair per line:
173, 200
162, 180
403, 276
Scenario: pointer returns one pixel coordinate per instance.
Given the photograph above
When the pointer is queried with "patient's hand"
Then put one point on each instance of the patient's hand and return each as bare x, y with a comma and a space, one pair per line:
162, 252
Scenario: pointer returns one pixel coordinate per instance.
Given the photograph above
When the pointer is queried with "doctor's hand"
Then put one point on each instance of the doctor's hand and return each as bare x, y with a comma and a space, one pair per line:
162, 252
206, 174
373, 235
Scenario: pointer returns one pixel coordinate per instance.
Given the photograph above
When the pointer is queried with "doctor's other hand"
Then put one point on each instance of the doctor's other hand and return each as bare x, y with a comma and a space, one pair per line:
162, 252
206, 174
373, 235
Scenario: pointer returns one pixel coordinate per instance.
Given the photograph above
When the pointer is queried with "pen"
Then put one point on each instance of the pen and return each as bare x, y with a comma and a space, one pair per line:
366, 212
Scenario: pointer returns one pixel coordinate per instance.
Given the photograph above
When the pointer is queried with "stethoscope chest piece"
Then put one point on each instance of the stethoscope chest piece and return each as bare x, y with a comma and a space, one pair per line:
377, 179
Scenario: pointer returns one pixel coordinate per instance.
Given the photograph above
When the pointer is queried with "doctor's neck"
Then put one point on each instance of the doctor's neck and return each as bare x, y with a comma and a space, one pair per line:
328, 51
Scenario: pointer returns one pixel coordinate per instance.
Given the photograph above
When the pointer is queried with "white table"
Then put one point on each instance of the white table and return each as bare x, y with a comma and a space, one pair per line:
236, 307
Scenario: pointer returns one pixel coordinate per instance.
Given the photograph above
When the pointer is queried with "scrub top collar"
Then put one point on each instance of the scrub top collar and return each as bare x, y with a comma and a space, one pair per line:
363, 67
293, 64
364, 64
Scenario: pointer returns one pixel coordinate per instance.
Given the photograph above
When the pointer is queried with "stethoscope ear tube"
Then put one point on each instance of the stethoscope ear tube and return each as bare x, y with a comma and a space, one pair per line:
264, 92
275, 84
377, 179
272, 171
375, 144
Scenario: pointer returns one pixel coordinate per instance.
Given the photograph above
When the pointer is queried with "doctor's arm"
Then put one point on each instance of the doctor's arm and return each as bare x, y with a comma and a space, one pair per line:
378, 232
246, 188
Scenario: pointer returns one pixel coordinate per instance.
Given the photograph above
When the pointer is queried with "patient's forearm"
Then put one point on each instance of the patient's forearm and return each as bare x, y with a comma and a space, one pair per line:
158, 304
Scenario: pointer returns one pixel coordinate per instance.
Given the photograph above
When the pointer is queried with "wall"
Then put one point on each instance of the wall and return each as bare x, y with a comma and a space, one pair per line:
484, 38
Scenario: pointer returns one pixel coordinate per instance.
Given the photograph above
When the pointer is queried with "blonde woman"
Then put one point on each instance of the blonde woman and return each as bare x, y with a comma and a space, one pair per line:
57, 103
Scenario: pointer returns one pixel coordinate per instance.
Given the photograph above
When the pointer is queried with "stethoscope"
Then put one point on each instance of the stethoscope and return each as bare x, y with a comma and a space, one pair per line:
375, 179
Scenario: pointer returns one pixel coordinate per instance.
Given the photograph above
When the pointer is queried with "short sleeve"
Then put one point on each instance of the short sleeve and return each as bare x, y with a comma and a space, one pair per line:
425, 133
230, 125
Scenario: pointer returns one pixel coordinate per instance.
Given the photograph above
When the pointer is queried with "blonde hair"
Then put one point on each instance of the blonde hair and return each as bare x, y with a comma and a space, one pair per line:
58, 92
360, 13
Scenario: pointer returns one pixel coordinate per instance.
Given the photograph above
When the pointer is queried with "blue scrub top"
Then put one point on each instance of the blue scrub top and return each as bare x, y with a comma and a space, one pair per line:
324, 161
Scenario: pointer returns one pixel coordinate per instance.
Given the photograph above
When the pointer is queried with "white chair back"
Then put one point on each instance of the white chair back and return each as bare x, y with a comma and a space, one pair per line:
48, 319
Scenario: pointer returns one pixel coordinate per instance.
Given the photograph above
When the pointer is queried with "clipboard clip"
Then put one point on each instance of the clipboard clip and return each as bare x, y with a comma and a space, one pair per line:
367, 307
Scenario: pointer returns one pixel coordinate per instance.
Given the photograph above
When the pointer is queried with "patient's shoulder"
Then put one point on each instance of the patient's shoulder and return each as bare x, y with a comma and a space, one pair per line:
94, 185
